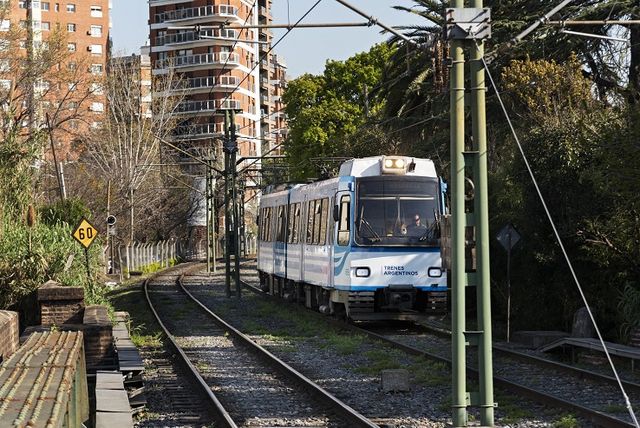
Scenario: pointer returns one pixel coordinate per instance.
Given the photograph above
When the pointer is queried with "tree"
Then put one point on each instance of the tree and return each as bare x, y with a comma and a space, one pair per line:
325, 112
126, 146
36, 110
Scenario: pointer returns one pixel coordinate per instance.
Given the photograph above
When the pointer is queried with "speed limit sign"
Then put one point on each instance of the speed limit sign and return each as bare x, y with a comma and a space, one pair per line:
85, 233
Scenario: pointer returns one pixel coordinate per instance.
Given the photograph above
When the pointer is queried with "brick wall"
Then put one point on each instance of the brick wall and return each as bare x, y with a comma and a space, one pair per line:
60, 305
9, 339
98, 338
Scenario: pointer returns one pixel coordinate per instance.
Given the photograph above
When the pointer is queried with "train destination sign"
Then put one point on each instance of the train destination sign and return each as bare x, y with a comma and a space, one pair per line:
85, 233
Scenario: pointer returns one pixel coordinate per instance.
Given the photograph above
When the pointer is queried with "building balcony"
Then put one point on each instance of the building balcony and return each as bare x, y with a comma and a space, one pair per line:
197, 13
209, 130
154, 3
195, 36
207, 106
223, 83
199, 61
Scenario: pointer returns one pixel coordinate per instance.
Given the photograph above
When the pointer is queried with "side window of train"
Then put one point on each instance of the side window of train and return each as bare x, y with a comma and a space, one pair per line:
332, 224
282, 224
324, 214
290, 221
296, 223
317, 221
267, 225
311, 209
344, 232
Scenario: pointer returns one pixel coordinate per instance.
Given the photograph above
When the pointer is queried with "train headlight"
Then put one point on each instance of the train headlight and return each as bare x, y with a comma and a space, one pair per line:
435, 272
363, 272
394, 165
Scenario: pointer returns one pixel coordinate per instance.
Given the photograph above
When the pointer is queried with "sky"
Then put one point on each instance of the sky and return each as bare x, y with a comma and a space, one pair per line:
304, 50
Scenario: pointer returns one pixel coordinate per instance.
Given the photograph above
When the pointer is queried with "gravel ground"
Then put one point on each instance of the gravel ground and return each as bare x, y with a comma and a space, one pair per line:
252, 393
350, 367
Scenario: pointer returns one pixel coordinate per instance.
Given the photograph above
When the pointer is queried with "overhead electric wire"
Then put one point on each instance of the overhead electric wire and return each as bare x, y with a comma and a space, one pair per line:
560, 241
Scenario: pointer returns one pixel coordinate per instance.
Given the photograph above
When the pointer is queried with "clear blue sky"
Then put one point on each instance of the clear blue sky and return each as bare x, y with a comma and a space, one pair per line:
304, 50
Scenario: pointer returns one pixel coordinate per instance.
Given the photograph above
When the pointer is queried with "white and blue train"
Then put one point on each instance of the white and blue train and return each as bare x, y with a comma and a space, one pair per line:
363, 245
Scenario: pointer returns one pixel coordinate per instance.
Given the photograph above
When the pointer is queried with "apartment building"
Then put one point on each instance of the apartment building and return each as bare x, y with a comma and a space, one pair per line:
221, 69
69, 91
216, 66
137, 68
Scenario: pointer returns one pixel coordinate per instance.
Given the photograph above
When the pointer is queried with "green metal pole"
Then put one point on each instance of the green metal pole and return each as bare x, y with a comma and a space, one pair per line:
208, 204
481, 214
458, 280
227, 210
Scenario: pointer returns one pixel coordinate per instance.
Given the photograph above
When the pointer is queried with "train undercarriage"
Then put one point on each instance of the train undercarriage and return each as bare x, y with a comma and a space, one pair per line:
391, 303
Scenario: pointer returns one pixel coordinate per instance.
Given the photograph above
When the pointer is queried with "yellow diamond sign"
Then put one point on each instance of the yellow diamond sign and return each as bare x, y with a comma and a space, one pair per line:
85, 233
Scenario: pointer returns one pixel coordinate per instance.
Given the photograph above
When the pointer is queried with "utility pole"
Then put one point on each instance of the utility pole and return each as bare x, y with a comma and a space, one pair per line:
467, 27
207, 197
232, 243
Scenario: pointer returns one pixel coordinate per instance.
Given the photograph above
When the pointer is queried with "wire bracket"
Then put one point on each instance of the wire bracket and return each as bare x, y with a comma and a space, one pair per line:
468, 23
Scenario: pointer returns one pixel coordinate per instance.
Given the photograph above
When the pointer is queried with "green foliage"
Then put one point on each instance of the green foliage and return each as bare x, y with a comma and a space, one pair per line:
31, 256
567, 421
70, 211
326, 112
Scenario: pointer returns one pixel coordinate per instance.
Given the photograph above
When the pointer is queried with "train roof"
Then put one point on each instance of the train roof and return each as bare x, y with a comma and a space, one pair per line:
375, 166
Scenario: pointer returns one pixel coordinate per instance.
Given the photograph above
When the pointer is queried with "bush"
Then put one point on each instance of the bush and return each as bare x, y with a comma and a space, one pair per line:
31, 256
69, 211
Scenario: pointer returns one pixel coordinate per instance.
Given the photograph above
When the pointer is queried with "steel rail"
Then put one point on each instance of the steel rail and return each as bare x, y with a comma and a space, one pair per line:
219, 412
599, 418
522, 356
349, 414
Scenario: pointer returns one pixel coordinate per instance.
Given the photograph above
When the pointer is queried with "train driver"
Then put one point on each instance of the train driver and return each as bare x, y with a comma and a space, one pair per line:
416, 228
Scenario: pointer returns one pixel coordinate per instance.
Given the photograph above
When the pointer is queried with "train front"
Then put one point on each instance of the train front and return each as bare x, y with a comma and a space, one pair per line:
394, 258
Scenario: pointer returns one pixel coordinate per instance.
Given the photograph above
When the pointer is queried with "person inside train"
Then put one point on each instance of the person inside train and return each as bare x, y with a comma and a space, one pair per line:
416, 228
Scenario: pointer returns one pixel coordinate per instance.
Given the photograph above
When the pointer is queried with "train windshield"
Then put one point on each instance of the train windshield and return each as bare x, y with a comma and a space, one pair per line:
397, 211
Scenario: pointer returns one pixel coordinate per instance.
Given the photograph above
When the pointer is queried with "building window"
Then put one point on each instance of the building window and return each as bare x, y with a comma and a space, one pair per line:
97, 107
71, 28
96, 68
57, 7
45, 26
22, 4
46, 5
71, 47
71, 8
96, 31
96, 11
72, 66
95, 49
5, 24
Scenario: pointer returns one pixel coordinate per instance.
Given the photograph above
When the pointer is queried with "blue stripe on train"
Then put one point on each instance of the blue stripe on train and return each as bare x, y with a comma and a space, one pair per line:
377, 287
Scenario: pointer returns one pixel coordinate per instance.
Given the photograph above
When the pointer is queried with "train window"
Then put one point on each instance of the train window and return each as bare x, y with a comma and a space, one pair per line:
281, 224
332, 224
294, 222
290, 223
267, 226
317, 221
344, 229
311, 208
324, 210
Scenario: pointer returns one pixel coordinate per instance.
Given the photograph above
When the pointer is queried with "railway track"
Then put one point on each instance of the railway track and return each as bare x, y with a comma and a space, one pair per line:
244, 384
585, 393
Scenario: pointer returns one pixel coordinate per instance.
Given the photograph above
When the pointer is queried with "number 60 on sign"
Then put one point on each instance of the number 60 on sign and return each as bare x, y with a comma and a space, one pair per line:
85, 233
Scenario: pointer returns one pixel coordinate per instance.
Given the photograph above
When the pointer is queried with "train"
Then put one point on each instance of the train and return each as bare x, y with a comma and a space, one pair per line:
364, 245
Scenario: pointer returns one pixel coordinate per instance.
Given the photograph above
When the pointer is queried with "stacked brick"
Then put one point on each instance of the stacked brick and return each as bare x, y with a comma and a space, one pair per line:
9, 334
60, 305
98, 337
